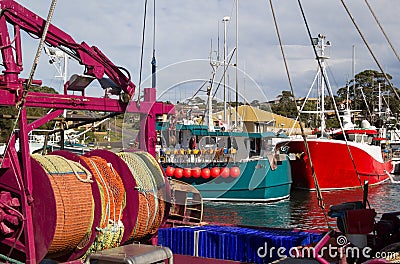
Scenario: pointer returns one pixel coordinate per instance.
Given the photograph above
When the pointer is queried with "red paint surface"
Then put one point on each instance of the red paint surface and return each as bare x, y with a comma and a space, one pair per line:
333, 165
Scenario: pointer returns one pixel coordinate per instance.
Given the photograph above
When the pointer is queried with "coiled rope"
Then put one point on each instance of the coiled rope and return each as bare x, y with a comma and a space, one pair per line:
75, 208
159, 179
113, 199
154, 167
148, 179
71, 184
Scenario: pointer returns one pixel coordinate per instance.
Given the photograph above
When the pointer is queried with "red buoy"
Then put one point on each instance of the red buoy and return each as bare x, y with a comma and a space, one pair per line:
170, 171
234, 172
215, 172
196, 172
178, 173
187, 172
224, 172
205, 173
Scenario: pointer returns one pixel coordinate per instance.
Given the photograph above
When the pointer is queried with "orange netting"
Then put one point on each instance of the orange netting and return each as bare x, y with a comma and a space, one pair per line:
112, 188
74, 203
71, 184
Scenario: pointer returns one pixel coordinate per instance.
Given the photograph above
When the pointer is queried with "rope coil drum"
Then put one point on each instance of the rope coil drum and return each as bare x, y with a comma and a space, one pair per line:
112, 192
92, 207
71, 184
150, 181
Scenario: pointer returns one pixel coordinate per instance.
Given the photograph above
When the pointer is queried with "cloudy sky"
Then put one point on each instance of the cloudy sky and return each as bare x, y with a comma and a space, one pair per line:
185, 29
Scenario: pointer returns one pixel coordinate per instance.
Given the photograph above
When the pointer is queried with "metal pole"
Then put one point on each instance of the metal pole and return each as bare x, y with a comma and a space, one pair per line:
237, 49
354, 76
225, 19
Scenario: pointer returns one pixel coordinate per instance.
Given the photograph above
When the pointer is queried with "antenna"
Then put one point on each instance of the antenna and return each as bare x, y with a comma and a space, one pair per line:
153, 60
218, 44
236, 68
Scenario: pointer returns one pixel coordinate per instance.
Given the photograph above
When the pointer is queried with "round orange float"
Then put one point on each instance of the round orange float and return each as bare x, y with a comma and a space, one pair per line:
187, 172
196, 172
215, 172
205, 173
178, 173
225, 172
170, 171
234, 172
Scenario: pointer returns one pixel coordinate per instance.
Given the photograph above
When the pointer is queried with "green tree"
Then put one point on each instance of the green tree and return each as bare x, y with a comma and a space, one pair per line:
286, 106
364, 94
6, 125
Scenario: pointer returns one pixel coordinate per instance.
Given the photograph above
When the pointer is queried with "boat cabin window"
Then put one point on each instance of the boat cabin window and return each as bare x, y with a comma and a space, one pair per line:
232, 143
254, 147
360, 138
222, 142
267, 146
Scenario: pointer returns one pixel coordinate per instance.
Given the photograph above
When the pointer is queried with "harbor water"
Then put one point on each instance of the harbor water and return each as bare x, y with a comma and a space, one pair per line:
301, 210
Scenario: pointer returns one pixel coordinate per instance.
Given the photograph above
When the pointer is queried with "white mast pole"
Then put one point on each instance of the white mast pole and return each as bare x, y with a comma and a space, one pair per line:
225, 19
237, 48
322, 84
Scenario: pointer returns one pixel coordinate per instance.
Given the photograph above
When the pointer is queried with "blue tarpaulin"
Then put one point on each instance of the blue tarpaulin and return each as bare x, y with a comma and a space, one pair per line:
234, 243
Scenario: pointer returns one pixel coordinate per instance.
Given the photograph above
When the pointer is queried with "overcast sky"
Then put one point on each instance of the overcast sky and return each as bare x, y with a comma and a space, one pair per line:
184, 30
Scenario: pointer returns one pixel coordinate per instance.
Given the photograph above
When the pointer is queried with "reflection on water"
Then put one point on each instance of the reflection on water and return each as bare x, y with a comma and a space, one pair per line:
301, 210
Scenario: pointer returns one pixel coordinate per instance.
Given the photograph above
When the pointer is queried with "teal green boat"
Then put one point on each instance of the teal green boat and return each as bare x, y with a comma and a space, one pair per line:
226, 166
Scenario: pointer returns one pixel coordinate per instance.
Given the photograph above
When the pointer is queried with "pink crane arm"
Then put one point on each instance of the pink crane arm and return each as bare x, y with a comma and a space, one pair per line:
95, 62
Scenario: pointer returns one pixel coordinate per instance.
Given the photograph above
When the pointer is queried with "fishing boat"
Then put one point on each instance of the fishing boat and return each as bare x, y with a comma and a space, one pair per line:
220, 156
228, 165
343, 158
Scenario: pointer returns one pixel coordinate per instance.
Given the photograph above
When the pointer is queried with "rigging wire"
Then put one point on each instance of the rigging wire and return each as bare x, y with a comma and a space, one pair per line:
383, 31
317, 188
154, 26
142, 51
225, 70
198, 90
153, 60
369, 49
330, 94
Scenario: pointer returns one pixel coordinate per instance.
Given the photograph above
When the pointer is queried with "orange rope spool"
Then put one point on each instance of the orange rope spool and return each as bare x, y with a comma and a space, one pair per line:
71, 184
105, 199
113, 196
141, 226
159, 216
113, 188
146, 226
149, 179
159, 180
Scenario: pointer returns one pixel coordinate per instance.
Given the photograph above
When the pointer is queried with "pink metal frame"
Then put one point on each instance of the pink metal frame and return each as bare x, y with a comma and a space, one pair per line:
11, 91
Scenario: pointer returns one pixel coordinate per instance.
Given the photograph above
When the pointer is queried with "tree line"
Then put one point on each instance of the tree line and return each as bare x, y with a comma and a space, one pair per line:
368, 93
7, 124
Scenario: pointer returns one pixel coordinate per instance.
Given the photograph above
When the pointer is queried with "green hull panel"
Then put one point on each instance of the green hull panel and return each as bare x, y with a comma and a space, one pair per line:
256, 183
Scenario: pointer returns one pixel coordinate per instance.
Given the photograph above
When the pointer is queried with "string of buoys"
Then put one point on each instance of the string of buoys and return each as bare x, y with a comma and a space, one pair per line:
83, 204
205, 173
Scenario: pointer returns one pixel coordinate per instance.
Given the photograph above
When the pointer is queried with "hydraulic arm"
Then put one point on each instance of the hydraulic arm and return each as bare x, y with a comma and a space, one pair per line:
96, 63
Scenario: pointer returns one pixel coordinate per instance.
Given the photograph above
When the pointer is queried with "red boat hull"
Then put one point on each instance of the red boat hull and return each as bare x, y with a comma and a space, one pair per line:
333, 164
